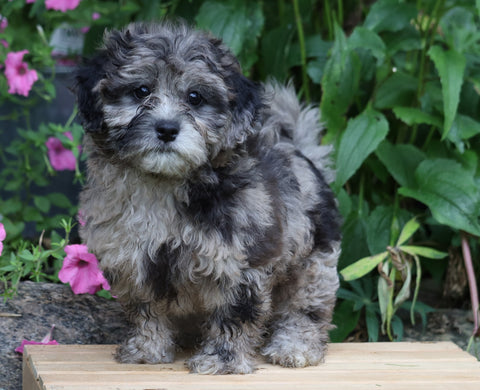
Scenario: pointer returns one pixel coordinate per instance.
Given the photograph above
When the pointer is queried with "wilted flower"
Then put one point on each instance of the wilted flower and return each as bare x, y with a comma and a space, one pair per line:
60, 158
20, 79
47, 340
3, 234
62, 5
80, 269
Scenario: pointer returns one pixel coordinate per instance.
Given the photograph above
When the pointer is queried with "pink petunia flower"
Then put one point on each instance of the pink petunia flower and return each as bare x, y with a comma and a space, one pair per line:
3, 23
86, 29
81, 218
3, 234
80, 269
60, 158
47, 340
62, 5
20, 79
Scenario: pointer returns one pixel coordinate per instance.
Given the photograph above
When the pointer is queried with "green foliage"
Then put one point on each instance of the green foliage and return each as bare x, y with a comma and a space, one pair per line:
398, 84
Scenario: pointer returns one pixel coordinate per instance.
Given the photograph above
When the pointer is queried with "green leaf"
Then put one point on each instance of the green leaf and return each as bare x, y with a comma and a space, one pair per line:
390, 15
463, 128
401, 161
354, 242
346, 319
237, 22
366, 39
423, 251
407, 39
340, 80
383, 295
362, 266
13, 229
398, 90
26, 255
379, 224
451, 67
408, 231
371, 320
42, 203
404, 292
59, 200
361, 137
277, 58
450, 191
412, 116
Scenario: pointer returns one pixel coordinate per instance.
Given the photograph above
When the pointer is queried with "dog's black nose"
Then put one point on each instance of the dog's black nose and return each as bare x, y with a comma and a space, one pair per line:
167, 131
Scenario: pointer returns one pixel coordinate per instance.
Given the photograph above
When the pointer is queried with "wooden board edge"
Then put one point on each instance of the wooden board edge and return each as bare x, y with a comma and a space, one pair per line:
30, 380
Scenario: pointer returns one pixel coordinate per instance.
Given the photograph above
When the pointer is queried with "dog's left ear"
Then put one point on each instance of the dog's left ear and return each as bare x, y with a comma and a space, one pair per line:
246, 99
88, 99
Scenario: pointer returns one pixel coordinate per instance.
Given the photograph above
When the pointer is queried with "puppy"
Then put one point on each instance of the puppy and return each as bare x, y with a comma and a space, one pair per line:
207, 203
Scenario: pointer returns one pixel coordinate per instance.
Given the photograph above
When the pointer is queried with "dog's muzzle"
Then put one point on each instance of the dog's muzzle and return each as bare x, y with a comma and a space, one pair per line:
167, 130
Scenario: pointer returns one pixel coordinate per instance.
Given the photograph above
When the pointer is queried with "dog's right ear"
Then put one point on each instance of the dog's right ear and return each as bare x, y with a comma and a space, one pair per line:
88, 98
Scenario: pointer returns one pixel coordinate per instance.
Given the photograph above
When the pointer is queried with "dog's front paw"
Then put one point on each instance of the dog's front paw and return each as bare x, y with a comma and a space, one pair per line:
293, 353
220, 362
139, 349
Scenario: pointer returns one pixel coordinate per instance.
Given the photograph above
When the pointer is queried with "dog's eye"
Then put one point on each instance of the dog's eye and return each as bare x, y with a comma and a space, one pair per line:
141, 92
194, 98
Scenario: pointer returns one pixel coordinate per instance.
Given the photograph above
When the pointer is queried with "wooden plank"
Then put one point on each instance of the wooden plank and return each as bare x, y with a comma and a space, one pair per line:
361, 366
29, 377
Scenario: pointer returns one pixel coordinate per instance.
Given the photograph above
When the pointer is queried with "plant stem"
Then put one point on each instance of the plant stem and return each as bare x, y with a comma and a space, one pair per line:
340, 12
390, 308
417, 289
72, 117
328, 17
472, 284
303, 52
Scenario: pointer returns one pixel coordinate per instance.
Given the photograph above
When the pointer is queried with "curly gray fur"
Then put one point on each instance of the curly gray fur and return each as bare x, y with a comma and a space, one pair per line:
207, 203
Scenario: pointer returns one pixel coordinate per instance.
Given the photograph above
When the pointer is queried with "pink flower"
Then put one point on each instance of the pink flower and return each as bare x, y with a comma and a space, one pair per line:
86, 29
47, 340
20, 79
61, 158
30, 1
3, 234
81, 218
80, 269
62, 5
3, 23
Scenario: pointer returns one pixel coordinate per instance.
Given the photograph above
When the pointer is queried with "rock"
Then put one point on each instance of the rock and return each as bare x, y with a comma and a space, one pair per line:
78, 319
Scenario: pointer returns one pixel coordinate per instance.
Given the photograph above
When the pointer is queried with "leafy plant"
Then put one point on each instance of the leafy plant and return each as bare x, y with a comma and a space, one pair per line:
397, 259
398, 84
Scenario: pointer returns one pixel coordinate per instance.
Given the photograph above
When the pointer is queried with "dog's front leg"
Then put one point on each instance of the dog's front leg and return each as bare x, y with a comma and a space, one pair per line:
151, 340
232, 333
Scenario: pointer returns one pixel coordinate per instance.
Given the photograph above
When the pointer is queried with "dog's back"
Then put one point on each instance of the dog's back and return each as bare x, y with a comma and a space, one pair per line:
287, 120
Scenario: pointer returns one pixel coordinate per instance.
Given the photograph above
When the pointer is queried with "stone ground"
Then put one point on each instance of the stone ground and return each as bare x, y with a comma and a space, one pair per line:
78, 319
86, 319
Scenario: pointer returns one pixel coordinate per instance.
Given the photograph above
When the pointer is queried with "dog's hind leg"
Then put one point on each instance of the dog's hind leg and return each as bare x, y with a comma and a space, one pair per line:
303, 312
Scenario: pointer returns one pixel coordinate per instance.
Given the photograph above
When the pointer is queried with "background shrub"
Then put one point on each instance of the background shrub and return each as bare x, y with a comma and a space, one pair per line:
398, 84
